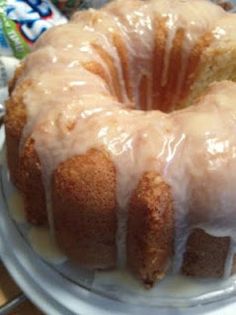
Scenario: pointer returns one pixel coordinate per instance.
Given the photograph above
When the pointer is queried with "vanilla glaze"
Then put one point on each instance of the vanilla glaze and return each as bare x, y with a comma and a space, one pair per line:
71, 110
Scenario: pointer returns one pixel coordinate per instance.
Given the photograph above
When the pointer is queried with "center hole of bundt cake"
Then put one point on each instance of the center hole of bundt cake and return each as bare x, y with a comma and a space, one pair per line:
154, 89
167, 77
162, 93
162, 99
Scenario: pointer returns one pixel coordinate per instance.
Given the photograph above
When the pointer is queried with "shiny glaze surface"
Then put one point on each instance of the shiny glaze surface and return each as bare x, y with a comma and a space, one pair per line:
71, 110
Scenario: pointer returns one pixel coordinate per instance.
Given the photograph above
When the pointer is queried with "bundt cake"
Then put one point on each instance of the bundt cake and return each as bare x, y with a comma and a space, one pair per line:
119, 139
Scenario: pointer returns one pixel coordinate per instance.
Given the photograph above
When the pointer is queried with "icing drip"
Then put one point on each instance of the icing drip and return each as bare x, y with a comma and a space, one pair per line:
76, 105
180, 196
16, 207
126, 183
171, 22
44, 245
183, 70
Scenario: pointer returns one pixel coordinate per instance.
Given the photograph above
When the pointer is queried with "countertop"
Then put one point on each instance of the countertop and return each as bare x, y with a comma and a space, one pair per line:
8, 291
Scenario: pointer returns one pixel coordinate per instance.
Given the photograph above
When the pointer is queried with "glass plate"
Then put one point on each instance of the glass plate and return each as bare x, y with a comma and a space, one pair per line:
76, 290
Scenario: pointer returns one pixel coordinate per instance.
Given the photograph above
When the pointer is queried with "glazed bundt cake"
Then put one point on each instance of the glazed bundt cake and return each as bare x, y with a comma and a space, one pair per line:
119, 140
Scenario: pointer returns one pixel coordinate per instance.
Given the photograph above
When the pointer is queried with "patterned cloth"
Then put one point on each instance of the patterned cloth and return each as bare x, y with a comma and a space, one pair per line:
22, 22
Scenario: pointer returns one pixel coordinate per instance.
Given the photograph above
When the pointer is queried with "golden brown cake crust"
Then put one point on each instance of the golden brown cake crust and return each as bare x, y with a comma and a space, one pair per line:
205, 255
150, 228
32, 185
15, 120
84, 209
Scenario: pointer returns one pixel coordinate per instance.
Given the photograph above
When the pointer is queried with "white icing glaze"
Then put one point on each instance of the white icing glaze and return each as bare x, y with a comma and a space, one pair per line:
124, 286
44, 245
71, 110
16, 207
